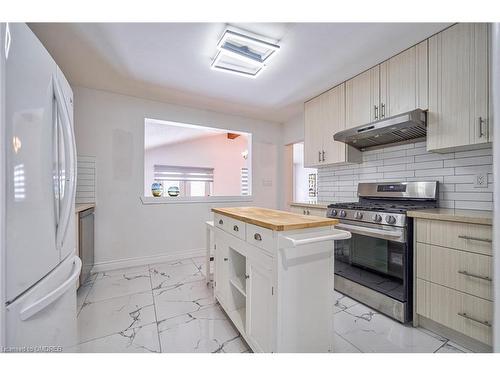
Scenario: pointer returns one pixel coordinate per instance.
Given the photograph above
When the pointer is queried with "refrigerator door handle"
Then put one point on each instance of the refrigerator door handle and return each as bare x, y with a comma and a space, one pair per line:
53, 296
69, 145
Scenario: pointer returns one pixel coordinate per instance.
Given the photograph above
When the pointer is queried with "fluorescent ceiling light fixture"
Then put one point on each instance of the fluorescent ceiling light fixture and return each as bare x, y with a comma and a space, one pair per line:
242, 54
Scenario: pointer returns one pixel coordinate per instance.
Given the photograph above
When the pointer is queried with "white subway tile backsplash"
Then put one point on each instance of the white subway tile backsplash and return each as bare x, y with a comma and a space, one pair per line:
434, 172
399, 175
411, 162
473, 205
478, 160
430, 157
426, 165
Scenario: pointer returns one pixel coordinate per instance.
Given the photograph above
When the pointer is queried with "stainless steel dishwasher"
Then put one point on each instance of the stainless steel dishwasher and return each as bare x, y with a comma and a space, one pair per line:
86, 242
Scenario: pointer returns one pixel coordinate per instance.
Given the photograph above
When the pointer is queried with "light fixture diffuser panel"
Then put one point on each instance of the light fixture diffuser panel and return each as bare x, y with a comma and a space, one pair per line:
243, 54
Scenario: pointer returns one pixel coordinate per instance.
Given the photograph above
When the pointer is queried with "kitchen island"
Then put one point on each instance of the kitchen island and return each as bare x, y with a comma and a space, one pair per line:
274, 277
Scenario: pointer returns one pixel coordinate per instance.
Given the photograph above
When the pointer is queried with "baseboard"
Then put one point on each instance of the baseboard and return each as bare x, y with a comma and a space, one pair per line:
142, 261
459, 338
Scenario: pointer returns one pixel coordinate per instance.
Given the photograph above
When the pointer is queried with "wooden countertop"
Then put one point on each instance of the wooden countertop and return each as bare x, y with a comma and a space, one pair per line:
274, 219
79, 207
322, 205
462, 216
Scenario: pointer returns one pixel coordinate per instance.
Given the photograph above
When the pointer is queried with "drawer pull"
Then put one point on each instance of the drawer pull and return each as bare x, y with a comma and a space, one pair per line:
257, 237
221, 221
226, 259
235, 228
485, 322
465, 273
475, 239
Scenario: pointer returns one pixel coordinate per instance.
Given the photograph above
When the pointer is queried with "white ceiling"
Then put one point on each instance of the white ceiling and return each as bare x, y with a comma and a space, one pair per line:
171, 61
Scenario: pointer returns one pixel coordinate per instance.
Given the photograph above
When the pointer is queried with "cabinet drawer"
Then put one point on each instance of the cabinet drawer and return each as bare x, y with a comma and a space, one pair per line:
221, 222
468, 237
230, 225
260, 237
455, 269
235, 227
462, 312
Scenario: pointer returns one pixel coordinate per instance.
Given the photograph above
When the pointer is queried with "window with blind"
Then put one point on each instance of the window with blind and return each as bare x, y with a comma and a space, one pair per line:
191, 181
196, 161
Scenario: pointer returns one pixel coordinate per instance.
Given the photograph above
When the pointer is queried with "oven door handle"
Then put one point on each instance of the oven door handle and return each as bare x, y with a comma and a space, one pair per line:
366, 230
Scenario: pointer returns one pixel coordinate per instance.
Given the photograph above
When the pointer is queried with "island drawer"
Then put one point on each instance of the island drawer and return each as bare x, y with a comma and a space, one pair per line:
475, 238
467, 272
260, 237
462, 312
235, 227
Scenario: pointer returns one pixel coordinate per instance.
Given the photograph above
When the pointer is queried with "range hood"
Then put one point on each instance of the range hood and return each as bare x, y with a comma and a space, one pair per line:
404, 127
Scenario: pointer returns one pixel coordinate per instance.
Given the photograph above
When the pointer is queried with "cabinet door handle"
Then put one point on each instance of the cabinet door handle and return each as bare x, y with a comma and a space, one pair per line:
304, 211
257, 237
483, 322
465, 273
247, 276
319, 156
235, 228
308, 212
221, 221
226, 259
481, 123
382, 110
323, 153
376, 111
475, 239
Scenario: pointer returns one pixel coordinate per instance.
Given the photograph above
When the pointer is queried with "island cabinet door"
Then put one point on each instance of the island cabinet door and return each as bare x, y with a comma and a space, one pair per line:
260, 294
222, 270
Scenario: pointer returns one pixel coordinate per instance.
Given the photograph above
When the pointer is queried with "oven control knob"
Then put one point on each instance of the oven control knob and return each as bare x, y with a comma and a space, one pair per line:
377, 218
334, 213
343, 213
390, 219
359, 215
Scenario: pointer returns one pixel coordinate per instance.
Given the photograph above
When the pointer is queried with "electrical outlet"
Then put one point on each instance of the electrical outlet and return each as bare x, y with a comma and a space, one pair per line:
481, 180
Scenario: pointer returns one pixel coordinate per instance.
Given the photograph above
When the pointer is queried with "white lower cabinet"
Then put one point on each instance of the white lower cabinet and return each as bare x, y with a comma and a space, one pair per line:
260, 300
276, 289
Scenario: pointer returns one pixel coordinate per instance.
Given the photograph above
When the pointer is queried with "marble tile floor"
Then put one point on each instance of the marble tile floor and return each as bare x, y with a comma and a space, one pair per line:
169, 308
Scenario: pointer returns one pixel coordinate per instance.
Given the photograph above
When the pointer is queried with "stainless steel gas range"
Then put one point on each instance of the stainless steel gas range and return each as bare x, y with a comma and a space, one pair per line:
375, 266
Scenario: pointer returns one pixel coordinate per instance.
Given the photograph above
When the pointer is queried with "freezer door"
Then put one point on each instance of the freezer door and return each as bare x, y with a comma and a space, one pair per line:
67, 166
31, 251
46, 314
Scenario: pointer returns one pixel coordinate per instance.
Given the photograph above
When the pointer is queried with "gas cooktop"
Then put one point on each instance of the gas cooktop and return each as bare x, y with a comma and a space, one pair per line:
385, 206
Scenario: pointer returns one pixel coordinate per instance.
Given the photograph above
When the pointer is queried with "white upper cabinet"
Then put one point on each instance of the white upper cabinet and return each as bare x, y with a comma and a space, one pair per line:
313, 143
458, 87
324, 116
362, 98
404, 81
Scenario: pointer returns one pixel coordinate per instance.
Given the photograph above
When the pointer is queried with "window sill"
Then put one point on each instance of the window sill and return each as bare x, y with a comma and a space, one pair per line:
183, 200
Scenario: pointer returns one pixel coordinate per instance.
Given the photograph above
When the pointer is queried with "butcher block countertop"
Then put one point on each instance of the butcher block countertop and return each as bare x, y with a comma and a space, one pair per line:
274, 219
79, 207
448, 214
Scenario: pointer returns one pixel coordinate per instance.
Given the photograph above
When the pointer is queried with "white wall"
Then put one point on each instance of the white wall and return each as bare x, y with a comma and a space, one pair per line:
219, 152
293, 130
111, 128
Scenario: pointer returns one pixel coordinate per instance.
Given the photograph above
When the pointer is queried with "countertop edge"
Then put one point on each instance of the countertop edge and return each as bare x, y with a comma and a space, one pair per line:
452, 215
79, 207
310, 205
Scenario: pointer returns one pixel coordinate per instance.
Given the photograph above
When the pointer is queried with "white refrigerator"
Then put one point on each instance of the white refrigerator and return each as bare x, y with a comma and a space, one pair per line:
41, 266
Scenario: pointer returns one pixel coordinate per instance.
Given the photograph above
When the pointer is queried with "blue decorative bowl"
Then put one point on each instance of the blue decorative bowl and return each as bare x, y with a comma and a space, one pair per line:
173, 191
157, 189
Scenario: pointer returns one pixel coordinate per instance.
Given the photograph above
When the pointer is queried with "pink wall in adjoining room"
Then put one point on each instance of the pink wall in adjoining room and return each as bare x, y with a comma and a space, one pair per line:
213, 151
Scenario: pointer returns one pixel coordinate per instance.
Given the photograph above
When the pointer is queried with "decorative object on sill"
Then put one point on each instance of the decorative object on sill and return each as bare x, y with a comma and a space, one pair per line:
157, 189
173, 191
312, 185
